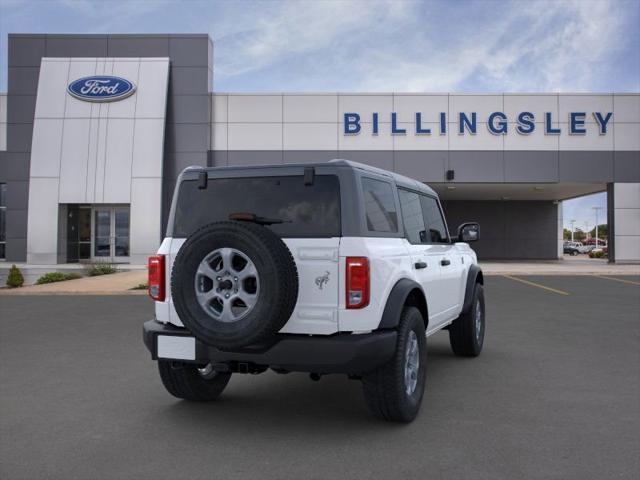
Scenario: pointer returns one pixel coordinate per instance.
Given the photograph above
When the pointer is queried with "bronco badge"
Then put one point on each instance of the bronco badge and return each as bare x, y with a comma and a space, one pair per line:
322, 280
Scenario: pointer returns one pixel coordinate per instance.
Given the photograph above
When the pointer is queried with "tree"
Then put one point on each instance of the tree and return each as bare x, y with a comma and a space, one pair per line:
603, 231
578, 235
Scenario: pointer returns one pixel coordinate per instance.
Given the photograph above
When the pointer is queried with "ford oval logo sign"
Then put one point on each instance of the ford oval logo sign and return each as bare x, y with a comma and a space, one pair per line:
101, 88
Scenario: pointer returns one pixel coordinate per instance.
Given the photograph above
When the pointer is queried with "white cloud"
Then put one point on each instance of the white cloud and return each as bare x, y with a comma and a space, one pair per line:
377, 45
533, 46
292, 29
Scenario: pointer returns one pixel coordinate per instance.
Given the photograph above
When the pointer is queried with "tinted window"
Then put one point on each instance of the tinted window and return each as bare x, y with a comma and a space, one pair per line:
307, 210
380, 206
412, 218
437, 231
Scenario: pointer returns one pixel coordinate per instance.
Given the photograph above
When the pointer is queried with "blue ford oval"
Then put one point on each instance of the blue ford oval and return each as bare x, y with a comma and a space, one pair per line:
101, 88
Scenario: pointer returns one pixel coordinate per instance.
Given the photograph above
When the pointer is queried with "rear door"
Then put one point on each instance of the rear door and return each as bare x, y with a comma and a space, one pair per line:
424, 258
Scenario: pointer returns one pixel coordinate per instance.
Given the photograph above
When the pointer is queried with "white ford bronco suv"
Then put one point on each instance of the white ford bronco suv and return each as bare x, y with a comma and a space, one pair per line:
333, 267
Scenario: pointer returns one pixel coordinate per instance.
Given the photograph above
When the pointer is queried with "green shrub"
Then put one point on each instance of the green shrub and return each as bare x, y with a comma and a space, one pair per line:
52, 277
140, 286
596, 254
15, 278
100, 269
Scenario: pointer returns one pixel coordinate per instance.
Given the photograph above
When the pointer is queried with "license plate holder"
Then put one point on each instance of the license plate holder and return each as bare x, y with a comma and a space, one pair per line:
176, 347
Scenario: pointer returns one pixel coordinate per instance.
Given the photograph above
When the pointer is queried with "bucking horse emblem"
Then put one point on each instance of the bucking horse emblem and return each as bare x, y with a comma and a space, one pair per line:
322, 280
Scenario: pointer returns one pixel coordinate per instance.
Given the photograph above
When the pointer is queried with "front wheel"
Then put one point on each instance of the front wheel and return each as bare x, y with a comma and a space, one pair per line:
394, 391
190, 382
466, 333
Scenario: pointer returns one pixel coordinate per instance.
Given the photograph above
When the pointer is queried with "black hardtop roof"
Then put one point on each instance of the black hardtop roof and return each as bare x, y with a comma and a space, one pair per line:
400, 180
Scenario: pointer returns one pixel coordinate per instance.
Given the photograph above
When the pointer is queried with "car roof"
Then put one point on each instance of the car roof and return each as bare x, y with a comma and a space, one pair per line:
400, 180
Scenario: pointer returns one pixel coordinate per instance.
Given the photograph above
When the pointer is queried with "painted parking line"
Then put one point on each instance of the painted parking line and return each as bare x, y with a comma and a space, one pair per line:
631, 282
534, 284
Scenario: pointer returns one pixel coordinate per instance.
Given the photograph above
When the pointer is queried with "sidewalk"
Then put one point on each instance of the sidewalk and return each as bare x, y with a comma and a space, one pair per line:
567, 266
113, 284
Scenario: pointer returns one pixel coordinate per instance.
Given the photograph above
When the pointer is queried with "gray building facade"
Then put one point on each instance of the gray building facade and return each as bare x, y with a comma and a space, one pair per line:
91, 181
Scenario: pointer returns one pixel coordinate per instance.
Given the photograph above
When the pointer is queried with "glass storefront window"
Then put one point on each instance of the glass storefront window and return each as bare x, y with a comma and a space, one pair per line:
110, 232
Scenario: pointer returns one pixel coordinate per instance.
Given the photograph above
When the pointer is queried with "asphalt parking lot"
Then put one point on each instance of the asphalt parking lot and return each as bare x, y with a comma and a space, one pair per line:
555, 394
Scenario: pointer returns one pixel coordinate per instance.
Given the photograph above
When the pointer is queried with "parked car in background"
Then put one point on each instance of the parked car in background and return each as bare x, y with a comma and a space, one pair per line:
571, 249
592, 241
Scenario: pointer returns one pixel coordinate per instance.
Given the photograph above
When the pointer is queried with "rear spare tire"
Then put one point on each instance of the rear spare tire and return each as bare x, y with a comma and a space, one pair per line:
234, 284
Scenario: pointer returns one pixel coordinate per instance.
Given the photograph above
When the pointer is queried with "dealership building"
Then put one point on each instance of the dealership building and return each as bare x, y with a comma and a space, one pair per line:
95, 129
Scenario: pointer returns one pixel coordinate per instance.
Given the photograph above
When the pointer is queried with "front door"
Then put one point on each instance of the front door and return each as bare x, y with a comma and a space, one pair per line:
111, 234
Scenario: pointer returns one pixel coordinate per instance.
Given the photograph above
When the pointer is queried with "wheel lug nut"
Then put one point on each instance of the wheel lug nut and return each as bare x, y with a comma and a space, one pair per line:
218, 278
235, 279
226, 296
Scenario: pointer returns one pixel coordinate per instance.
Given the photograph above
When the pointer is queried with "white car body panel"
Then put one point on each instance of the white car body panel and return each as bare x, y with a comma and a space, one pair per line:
316, 310
389, 261
321, 263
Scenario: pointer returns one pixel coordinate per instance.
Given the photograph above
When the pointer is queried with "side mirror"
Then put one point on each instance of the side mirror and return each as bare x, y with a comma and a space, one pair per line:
469, 232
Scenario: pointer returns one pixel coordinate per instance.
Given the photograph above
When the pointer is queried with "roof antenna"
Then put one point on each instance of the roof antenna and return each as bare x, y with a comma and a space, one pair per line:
202, 180
309, 175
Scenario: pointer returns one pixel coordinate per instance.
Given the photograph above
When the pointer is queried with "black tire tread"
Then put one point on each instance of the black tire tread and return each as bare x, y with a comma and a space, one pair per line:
461, 331
284, 263
185, 382
382, 386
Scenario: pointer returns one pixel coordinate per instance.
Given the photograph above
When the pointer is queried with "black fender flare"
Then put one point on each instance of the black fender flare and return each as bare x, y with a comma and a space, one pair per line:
474, 276
404, 290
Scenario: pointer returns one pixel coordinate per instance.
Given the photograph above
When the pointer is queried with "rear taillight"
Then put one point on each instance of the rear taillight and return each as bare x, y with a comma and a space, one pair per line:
156, 277
357, 282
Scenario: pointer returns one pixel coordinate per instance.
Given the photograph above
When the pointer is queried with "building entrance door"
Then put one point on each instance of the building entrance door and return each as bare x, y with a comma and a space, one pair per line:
110, 239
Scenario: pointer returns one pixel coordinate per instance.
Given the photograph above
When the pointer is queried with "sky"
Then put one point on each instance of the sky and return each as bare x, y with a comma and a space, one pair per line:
377, 45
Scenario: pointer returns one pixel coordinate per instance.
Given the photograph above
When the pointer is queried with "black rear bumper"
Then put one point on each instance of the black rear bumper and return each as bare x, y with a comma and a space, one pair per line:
339, 353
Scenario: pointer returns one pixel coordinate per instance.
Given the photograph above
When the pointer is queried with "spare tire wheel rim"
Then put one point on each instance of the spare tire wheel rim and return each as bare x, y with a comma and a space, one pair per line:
227, 285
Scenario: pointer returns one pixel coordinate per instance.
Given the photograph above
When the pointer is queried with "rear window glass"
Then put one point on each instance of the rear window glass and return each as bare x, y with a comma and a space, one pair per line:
380, 206
306, 210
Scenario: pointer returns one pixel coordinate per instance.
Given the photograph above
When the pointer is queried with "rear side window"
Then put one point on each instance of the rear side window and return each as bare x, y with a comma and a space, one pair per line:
380, 206
306, 210
437, 230
411, 209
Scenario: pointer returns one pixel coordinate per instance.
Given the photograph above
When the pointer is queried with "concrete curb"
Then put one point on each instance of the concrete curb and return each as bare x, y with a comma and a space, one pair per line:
113, 284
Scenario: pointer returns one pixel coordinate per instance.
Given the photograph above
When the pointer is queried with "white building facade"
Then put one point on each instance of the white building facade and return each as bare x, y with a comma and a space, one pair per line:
91, 178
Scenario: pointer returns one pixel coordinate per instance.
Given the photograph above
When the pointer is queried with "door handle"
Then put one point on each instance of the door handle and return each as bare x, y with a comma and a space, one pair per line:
445, 262
419, 265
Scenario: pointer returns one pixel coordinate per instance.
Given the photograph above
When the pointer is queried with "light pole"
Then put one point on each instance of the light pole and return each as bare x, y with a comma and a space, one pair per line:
586, 231
596, 209
572, 222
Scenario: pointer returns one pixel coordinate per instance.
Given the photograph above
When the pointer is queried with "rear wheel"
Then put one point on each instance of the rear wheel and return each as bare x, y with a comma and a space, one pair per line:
190, 382
394, 391
466, 333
